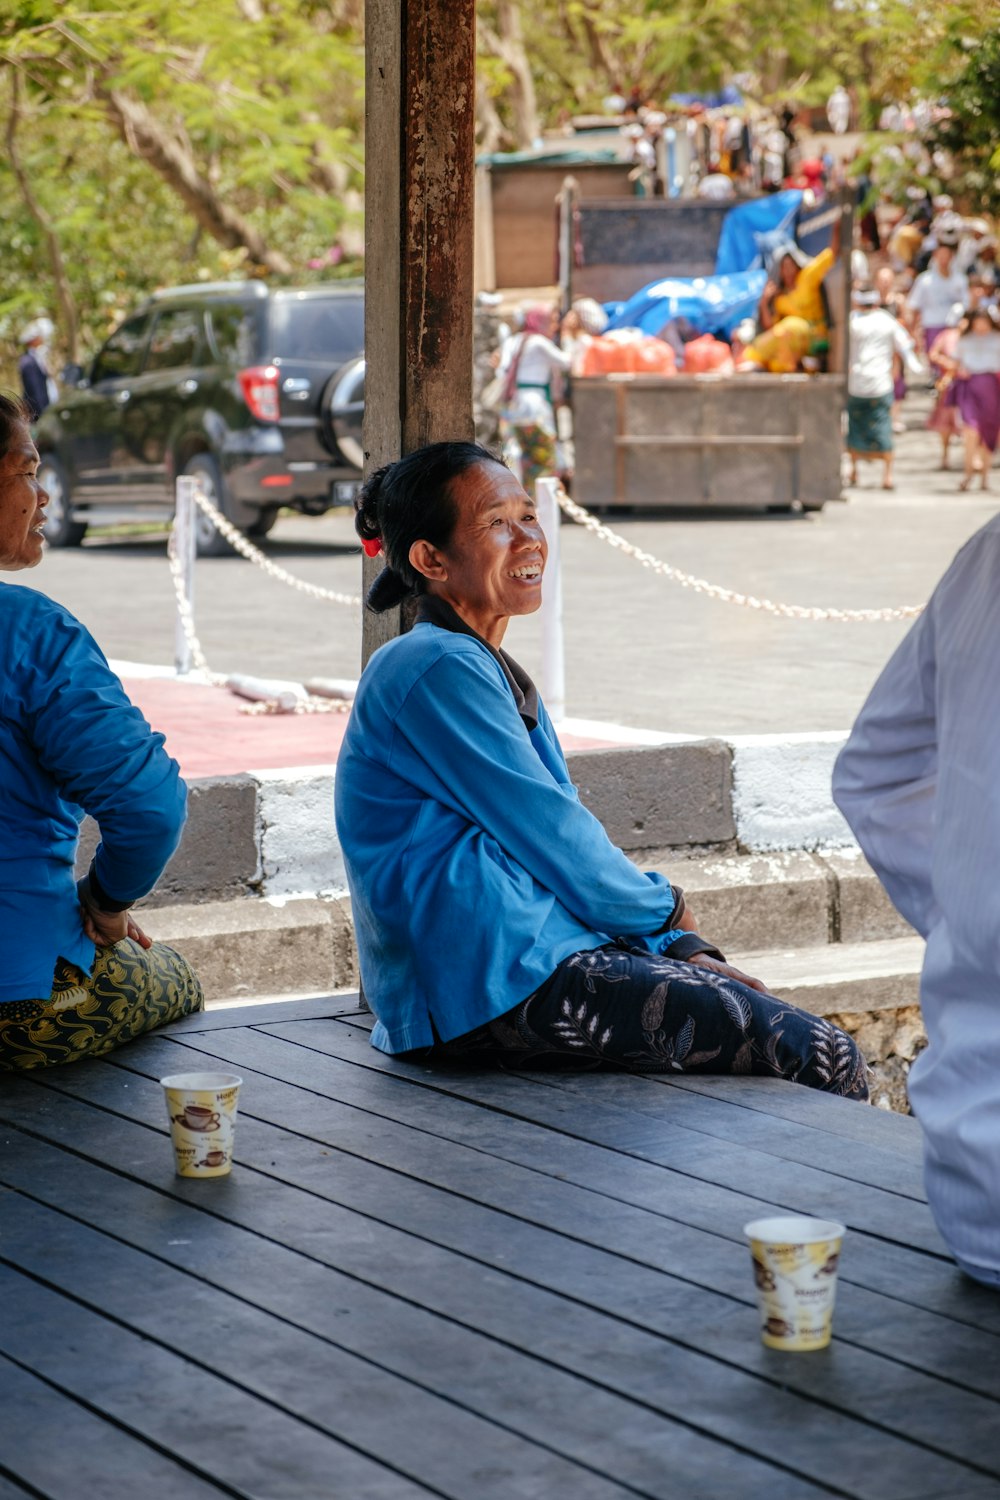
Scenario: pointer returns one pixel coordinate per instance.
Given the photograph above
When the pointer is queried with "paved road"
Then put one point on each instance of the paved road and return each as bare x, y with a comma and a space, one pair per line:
639, 650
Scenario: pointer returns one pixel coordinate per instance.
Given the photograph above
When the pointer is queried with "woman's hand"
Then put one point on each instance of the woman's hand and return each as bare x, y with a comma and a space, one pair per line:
105, 928
728, 972
961, 373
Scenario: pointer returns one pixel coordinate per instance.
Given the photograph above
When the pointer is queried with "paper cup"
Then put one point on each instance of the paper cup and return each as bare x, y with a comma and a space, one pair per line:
795, 1271
202, 1110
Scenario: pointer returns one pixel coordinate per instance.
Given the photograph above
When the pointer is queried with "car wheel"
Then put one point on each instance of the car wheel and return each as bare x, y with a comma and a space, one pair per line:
342, 406
209, 542
60, 528
264, 522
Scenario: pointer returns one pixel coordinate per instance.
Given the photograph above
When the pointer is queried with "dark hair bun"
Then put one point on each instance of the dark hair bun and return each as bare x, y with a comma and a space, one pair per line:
387, 591
366, 522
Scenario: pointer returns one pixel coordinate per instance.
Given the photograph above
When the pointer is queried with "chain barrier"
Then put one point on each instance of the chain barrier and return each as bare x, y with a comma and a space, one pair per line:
310, 704
246, 548
716, 591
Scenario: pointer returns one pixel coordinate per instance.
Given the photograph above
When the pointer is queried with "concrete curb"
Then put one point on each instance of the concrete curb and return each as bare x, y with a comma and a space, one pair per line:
271, 833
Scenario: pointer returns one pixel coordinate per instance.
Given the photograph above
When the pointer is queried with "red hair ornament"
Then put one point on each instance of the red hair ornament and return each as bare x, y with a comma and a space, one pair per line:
372, 548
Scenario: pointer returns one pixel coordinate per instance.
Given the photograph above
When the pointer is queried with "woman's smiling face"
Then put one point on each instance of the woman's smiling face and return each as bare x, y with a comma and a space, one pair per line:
22, 504
493, 564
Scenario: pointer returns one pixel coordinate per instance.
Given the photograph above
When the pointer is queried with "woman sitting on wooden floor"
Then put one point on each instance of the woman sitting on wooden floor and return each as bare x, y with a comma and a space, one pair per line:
495, 919
79, 974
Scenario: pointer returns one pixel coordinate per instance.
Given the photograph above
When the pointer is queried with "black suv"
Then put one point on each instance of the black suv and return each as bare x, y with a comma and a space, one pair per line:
259, 390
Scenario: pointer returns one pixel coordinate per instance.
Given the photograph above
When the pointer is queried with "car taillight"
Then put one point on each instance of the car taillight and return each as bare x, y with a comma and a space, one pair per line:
259, 385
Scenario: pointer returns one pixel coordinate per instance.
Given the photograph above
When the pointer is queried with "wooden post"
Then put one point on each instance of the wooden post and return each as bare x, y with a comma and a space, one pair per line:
420, 73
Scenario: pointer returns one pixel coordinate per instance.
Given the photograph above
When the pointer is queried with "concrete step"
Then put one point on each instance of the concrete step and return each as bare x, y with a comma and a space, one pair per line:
842, 978
249, 948
794, 900
804, 910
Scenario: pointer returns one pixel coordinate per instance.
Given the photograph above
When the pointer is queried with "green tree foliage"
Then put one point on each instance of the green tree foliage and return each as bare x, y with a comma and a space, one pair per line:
163, 140
970, 85
581, 50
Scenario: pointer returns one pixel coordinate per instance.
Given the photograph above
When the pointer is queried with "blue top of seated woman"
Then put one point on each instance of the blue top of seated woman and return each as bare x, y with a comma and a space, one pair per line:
70, 741
474, 868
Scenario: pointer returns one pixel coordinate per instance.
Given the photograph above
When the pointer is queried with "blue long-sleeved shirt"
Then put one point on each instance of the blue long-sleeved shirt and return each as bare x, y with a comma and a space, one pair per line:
70, 743
474, 869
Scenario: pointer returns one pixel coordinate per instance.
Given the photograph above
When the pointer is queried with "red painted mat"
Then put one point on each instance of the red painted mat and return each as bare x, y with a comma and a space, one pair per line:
210, 736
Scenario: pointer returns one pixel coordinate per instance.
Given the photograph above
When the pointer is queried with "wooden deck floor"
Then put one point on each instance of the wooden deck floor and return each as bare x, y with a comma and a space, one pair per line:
484, 1286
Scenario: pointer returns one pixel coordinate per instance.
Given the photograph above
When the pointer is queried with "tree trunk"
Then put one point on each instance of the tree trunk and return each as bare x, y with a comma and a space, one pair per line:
601, 59
148, 138
507, 42
490, 125
64, 293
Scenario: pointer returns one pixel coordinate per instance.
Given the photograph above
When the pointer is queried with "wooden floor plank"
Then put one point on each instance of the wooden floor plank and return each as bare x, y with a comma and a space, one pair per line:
639, 1114
225, 1017
620, 1096
699, 1217
925, 1280
11, 1491
678, 1179
633, 1155
643, 1296
529, 1396
308, 1379
90, 1458
887, 1129
209, 1423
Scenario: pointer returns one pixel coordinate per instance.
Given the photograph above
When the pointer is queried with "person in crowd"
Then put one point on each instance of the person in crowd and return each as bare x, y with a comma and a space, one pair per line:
80, 976
876, 341
586, 319
494, 917
865, 198
531, 364
943, 418
792, 313
977, 392
936, 291
917, 783
974, 235
907, 238
37, 384
893, 300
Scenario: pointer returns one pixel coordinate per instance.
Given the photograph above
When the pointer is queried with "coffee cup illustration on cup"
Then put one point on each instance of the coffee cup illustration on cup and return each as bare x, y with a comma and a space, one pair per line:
198, 1117
213, 1159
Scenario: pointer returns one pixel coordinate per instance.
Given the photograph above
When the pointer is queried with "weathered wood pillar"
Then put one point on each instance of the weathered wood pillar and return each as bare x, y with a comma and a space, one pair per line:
420, 76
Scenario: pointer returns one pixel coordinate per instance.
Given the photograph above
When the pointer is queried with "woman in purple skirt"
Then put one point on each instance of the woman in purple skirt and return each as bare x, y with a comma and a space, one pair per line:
977, 392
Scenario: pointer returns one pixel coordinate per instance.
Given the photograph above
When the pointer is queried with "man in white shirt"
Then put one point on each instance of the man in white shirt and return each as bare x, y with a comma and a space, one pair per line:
876, 339
917, 781
937, 289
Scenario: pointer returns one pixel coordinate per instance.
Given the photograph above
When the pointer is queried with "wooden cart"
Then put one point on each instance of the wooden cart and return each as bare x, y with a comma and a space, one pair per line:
747, 441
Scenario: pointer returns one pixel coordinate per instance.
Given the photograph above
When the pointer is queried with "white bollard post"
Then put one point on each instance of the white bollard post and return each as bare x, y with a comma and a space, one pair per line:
184, 543
553, 658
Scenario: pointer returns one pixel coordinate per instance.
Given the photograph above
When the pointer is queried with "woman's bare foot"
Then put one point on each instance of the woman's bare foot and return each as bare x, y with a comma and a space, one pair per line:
964, 482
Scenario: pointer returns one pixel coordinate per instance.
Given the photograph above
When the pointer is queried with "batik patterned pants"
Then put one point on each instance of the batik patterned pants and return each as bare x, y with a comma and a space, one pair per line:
623, 1007
129, 990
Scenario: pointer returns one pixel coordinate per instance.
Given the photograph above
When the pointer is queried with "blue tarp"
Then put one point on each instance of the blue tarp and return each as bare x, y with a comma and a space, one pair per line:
558, 157
713, 304
773, 217
727, 97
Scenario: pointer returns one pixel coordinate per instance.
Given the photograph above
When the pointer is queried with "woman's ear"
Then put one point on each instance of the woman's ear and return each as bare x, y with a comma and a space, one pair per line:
428, 561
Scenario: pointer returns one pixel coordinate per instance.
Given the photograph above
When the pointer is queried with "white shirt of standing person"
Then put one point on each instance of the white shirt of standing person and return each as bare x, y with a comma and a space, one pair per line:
918, 782
539, 357
979, 353
876, 337
933, 295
